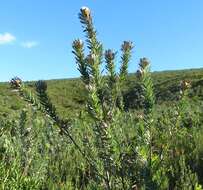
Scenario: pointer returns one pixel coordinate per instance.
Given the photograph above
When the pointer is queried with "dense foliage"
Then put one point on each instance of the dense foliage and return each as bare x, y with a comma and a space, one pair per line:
135, 137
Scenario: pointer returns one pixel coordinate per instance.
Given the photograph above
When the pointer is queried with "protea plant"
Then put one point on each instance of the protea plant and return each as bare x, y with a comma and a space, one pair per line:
104, 93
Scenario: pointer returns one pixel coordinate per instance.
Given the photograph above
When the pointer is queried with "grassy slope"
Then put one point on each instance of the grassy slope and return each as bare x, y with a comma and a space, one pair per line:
68, 94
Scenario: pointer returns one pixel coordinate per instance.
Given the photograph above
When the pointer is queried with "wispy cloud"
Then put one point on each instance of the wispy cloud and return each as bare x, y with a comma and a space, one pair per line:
29, 44
6, 38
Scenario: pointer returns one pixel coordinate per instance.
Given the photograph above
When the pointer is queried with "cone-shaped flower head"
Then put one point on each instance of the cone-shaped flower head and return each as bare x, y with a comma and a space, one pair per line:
16, 82
78, 44
144, 62
85, 11
109, 54
127, 46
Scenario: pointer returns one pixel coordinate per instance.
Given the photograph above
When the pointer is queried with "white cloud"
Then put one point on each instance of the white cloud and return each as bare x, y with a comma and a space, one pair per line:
29, 44
6, 38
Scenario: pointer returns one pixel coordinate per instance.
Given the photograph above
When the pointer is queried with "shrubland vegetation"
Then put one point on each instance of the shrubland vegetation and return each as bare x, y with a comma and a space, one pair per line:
113, 131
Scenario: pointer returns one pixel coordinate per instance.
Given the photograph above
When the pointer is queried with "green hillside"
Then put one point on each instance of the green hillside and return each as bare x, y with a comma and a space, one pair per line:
69, 96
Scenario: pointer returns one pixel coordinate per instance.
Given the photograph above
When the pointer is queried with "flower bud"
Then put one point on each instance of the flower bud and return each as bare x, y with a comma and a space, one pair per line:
109, 54
78, 44
90, 87
185, 84
144, 62
140, 116
85, 11
91, 58
139, 73
127, 45
176, 113
104, 125
16, 82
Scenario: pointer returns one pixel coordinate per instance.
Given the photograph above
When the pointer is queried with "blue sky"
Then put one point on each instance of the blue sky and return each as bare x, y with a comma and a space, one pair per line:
36, 35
